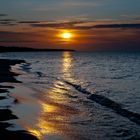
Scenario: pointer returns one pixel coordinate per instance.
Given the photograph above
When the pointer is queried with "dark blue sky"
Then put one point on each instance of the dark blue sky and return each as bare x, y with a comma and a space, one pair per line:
60, 9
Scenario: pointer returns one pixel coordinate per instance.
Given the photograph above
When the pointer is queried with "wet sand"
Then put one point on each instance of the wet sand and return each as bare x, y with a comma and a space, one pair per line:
5, 113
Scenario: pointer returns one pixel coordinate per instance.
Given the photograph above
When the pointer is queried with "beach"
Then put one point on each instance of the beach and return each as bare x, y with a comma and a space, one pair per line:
5, 113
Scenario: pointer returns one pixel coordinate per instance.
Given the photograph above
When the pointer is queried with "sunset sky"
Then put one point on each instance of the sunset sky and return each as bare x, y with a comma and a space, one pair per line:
92, 24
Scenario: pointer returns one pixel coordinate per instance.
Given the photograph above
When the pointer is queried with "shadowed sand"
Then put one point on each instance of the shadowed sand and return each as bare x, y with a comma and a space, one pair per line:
5, 113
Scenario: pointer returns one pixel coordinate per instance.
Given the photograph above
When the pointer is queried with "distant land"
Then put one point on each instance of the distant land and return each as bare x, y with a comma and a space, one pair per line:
25, 49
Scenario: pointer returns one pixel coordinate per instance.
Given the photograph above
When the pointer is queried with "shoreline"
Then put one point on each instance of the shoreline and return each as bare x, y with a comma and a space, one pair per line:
6, 114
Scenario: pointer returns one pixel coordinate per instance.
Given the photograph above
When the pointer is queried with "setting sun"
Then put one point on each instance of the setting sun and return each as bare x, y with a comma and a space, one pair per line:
66, 35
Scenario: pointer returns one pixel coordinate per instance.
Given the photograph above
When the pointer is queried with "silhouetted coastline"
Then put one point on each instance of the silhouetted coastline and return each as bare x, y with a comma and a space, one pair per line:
25, 49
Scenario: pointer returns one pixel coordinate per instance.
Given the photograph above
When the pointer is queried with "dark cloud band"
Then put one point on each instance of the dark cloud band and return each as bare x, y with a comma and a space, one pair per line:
74, 25
3, 15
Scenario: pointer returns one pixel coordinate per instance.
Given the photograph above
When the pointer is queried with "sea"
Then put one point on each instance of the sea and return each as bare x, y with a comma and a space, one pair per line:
76, 95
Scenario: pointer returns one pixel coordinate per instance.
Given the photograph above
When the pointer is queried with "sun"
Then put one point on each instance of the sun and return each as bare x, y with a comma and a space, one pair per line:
67, 35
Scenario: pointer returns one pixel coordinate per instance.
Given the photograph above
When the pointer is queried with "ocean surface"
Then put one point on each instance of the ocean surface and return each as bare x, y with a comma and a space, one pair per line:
76, 95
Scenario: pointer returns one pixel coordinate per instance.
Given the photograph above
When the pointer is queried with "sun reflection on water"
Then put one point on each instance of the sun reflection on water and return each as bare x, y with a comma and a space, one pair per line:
55, 112
67, 66
67, 62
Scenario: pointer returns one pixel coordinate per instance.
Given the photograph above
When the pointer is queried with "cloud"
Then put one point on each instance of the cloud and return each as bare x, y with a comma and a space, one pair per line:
8, 32
29, 22
75, 24
3, 15
131, 17
68, 24
7, 20
17, 41
80, 4
7, 23
18, 33
136, 25
119, 26
17, 37
84, 25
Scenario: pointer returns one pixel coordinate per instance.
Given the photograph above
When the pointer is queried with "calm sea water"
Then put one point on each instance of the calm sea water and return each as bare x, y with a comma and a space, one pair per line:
54, 97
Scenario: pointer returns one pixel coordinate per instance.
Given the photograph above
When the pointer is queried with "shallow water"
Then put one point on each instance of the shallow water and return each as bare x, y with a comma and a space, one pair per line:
77, 95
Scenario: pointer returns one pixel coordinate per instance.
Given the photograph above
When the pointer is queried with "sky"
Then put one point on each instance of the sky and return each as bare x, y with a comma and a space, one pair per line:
94, 24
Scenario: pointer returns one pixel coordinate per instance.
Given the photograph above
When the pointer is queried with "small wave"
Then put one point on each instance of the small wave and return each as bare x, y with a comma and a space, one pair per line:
78, 87
129, 134
84, 122
117, 77
122, 77
25, 67
104, 101
40, 74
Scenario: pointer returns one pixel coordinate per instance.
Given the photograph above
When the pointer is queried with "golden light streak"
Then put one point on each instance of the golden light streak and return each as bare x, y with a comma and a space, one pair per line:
55, 112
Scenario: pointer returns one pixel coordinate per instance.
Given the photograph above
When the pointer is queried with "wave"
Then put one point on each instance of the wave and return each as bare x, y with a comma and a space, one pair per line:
104, 101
